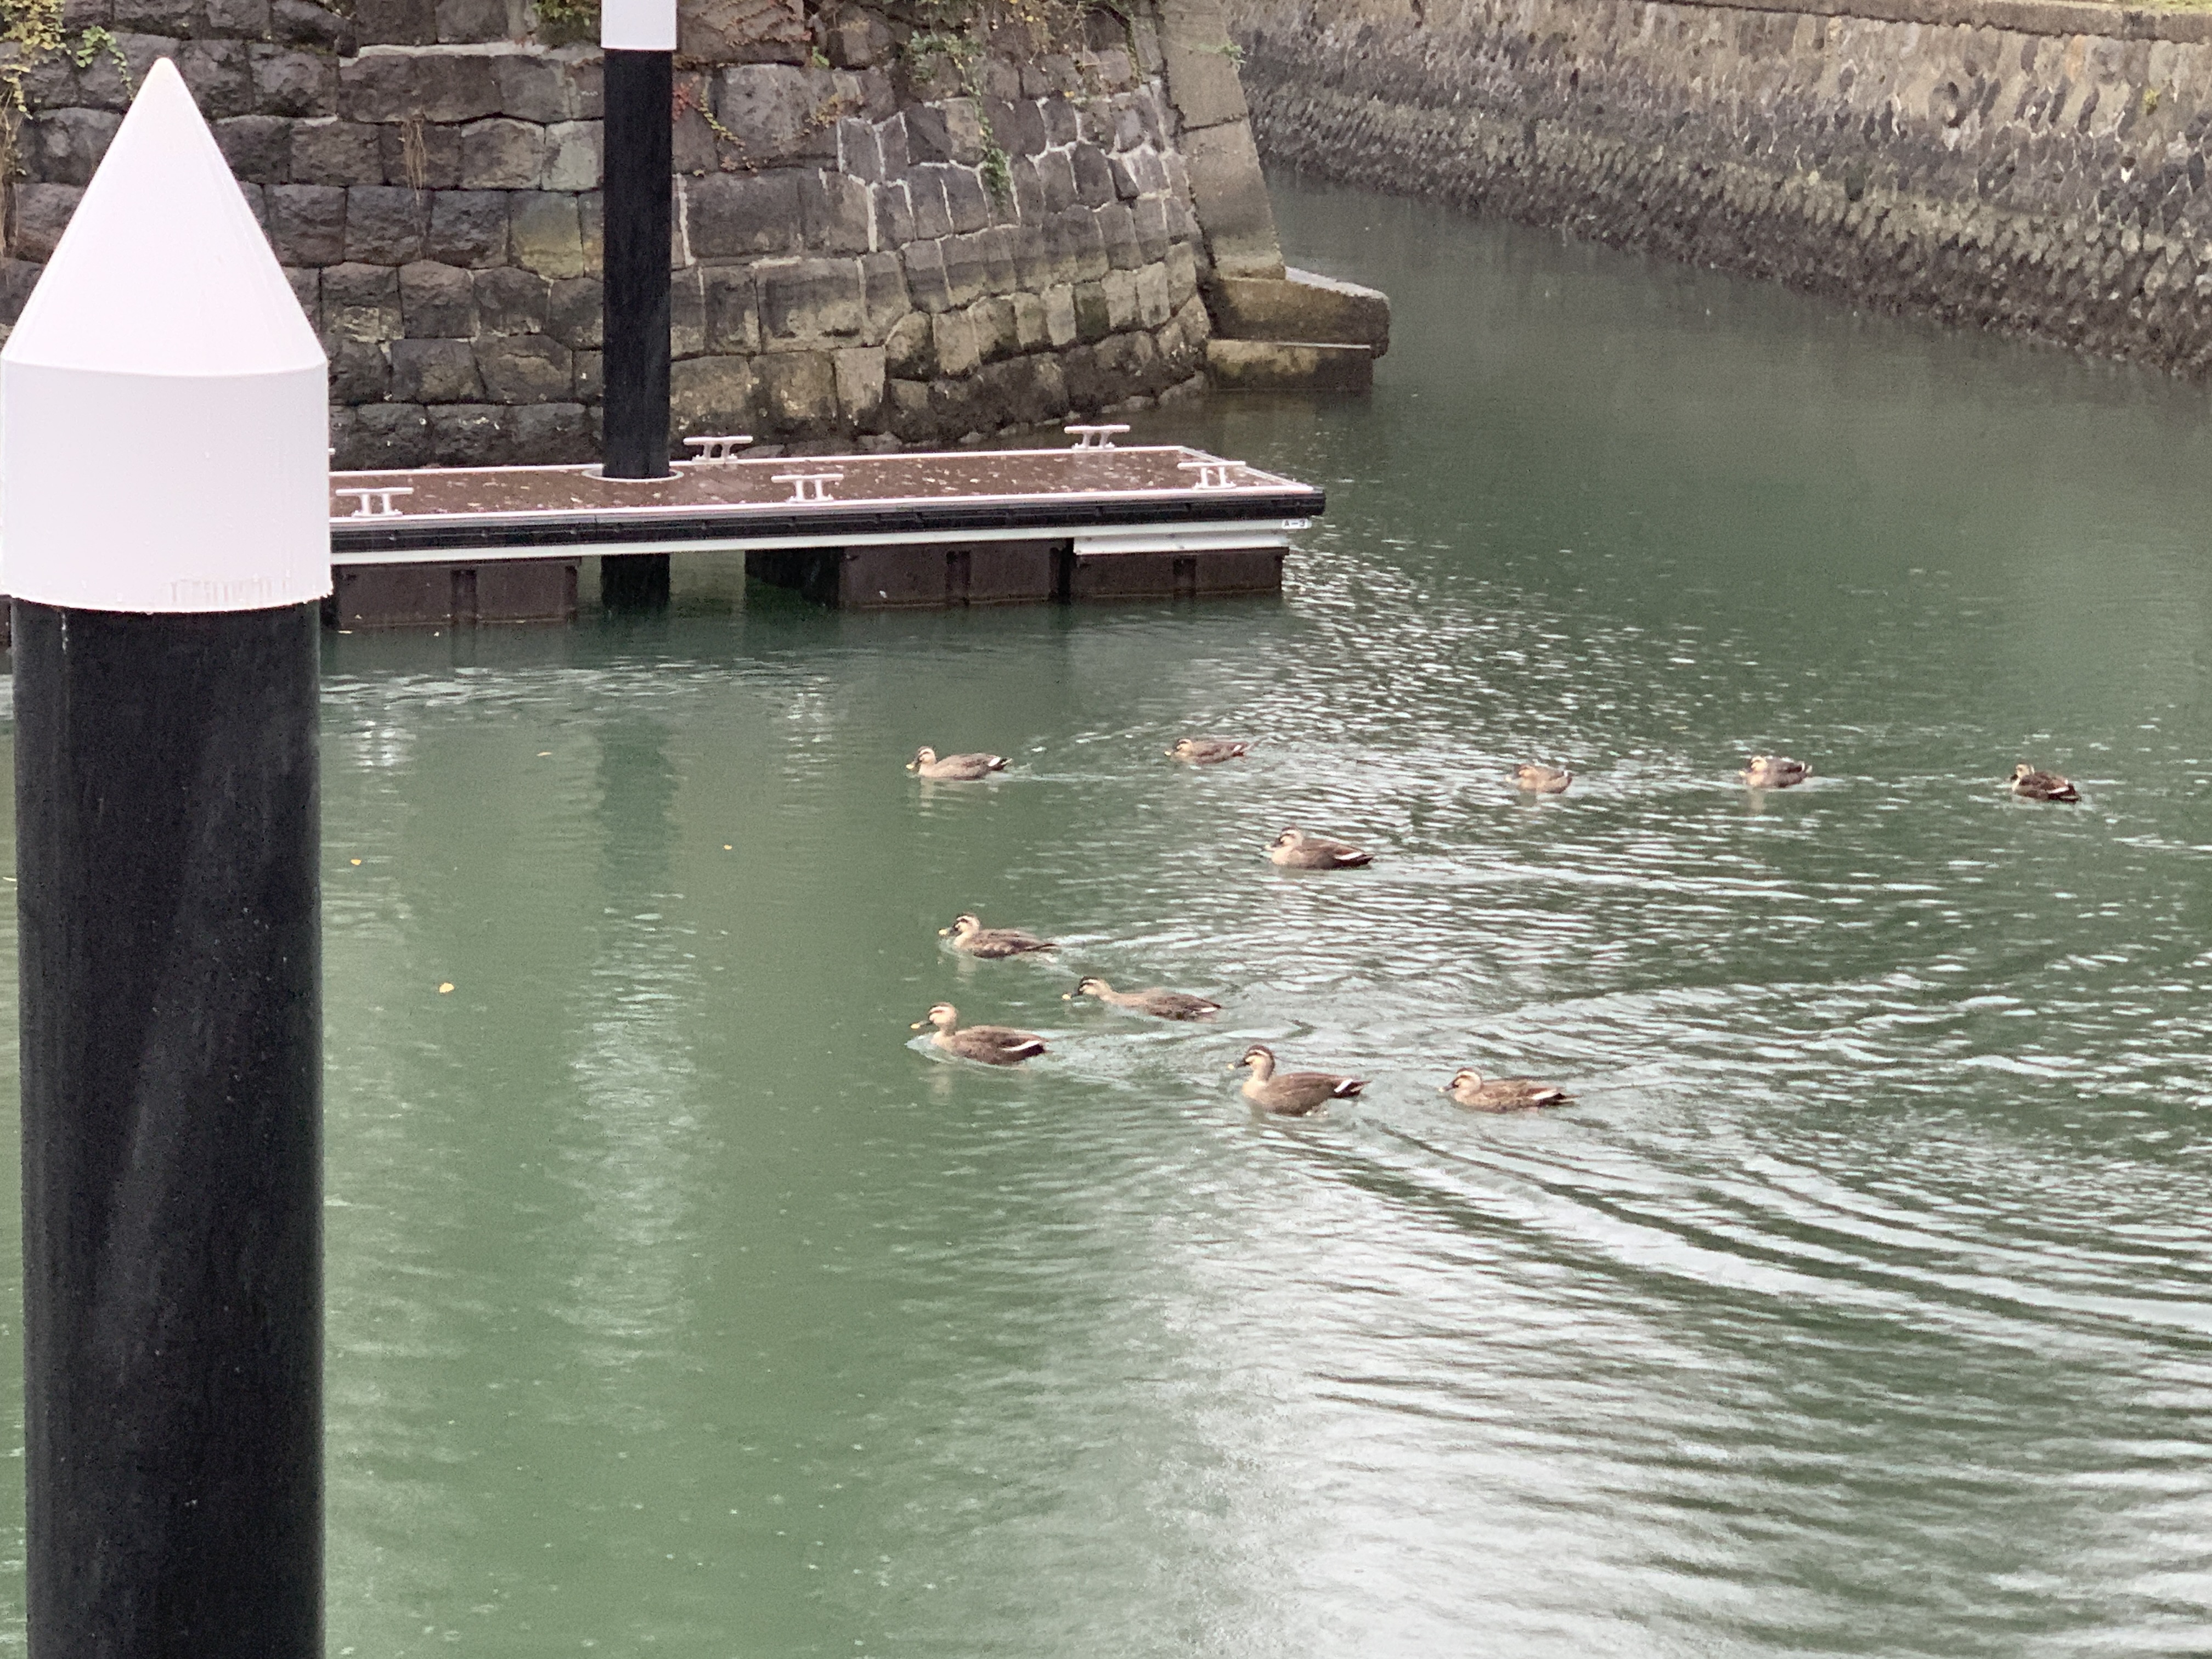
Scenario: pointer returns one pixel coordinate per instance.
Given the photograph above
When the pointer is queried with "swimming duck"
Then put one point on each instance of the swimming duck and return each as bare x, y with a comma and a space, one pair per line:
1501, 1094
1542, 780
1207, 751
2032, 785
1294, 849
954, 768
1292, 1094
993, 1045
971, 937
1774, 772
1159, 1003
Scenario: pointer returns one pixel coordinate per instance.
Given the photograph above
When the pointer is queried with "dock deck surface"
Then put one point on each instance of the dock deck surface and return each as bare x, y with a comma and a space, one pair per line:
404, 516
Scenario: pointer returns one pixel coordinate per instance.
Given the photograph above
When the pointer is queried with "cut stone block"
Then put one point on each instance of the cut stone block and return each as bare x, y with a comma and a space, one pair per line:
1301, 307
1230, 197
1289, 366
1201, 63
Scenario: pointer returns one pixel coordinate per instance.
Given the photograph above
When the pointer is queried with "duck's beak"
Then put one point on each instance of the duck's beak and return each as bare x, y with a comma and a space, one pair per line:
1067, 996
917, 1025
944, 932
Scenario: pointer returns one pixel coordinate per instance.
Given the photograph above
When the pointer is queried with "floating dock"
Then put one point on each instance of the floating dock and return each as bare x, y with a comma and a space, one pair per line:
456, 545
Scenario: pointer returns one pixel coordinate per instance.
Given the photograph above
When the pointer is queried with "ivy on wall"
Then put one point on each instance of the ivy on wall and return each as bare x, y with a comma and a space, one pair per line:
31, 34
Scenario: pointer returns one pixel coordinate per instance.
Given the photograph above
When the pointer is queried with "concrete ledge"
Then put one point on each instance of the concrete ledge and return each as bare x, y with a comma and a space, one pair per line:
1301, 307
2091, 18
2057, 17
1289, 366
1952, 161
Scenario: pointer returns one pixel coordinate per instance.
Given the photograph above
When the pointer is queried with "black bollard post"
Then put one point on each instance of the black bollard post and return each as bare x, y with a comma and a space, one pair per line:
166, 622
639, 38
166, 836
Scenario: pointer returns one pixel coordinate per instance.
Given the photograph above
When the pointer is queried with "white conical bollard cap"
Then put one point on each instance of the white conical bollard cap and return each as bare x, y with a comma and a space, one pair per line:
637, 25
164, 404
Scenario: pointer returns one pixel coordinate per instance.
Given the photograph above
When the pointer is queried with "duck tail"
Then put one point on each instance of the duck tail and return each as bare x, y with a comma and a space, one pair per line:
996, 763
1348, 1087
1356, 861
1029, 1050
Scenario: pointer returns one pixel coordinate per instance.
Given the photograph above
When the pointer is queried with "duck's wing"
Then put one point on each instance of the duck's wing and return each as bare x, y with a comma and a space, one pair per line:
1527, 1091
1005, 941
1004, 1039
1178, 1004
1321, 1085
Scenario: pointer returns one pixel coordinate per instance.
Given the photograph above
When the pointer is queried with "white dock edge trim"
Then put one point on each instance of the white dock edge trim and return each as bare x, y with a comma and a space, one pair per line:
1258, 536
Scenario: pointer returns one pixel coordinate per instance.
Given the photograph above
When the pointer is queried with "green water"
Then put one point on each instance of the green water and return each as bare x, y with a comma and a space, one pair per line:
681, 1304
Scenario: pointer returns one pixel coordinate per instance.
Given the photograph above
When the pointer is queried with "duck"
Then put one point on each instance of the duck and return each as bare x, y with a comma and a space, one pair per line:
2031, 785
1207, 751
1159, 1003
1501, 1094
971, 937
1294, 849
954, 768
1774, 772
1542, 779
993, 1045
1292, 1094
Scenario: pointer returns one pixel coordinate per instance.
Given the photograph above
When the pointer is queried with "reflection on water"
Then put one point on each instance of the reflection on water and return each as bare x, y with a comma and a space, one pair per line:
1863, 1304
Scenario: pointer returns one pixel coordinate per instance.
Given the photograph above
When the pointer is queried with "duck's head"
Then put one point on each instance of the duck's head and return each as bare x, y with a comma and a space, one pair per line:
965, 923
944, 1016
1289, 838
1087, 988
1182, 748
923, 757
1467, 1075
2022, 771
1259, 1057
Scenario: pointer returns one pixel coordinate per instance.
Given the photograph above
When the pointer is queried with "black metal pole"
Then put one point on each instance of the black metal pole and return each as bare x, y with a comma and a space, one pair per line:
167, 829
640, 90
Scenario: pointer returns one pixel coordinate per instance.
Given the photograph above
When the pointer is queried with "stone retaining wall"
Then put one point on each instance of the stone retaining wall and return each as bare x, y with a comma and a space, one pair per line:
872, 243
2033, 166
